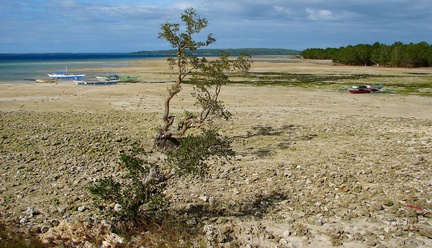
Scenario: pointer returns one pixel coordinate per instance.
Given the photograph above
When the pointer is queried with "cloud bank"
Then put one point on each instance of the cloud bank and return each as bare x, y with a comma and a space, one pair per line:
126, 26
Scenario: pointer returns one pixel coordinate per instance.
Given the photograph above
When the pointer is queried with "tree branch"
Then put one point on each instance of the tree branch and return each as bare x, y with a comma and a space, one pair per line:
155, 176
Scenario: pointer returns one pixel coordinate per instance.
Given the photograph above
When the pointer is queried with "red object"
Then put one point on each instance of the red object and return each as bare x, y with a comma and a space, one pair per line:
363, 89
414, 207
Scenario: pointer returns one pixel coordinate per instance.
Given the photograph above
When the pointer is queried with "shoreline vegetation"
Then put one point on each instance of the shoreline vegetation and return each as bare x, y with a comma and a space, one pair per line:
396, 55
314, 167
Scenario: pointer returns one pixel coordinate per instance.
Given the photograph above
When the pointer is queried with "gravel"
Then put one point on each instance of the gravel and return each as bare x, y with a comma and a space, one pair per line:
302, 176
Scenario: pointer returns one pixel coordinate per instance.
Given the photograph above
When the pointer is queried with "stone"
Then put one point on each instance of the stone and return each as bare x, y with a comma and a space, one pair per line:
118, 208
82, 208
204, 198
425, 230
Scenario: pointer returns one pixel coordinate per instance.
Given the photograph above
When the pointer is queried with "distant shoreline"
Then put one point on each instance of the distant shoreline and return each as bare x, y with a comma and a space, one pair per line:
22, 68
158, 53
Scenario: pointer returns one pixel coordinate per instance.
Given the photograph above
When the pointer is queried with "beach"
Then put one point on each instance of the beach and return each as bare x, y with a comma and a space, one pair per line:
314, 166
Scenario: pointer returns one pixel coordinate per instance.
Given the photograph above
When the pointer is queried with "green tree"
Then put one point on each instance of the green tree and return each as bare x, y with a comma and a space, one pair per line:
381, 54
141, 187
429, 55
416, 54
363, 53
208, 76
397, 54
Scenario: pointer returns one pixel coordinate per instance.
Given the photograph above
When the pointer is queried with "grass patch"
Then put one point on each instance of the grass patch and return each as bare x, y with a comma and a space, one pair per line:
413, 88
299, 80
412, 83
402, 85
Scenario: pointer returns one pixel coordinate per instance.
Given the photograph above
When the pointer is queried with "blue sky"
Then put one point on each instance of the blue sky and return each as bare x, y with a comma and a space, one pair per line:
32, 26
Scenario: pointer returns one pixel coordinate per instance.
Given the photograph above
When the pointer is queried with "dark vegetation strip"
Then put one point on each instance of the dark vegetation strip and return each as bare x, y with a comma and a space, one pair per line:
337, 81
396, 55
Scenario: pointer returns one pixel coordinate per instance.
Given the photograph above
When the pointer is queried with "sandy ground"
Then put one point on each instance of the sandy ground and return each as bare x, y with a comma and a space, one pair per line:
314, 167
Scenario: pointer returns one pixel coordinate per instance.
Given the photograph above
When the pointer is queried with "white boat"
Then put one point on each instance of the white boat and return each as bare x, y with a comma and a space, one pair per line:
58, 75
65, 75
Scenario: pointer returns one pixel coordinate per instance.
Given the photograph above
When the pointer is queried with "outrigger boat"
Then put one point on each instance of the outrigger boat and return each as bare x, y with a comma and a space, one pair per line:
366, 89
65, 75
109, 78
129, 79
115, 77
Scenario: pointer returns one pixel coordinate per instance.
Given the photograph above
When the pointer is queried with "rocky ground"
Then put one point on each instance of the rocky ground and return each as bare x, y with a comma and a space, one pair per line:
313, 167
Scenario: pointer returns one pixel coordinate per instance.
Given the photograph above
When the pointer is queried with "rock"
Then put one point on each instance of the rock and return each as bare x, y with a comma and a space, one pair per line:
371, 242
210, 232
204, 198
425, 230
52, 209
44, 229
54, 222
112, 240
118, 208
30, 212
212, 200
82, 208
221, 220
23, 219
238, 157
61, 210
286, 233
283, 242
88, 244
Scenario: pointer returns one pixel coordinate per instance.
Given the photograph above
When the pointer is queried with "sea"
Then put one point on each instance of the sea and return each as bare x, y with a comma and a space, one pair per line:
22, 68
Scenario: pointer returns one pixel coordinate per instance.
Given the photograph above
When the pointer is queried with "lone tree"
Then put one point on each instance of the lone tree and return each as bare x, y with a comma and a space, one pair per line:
207, 76
142, 185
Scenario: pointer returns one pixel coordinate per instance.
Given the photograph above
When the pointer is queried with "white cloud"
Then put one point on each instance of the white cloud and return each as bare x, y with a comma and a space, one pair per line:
283, 10
320, 14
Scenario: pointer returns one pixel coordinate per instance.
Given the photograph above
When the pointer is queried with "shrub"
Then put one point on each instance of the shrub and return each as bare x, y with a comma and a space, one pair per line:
142, 185
132, 190
192, 155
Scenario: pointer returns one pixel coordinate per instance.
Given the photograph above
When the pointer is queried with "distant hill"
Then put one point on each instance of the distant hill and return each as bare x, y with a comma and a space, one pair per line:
231, 51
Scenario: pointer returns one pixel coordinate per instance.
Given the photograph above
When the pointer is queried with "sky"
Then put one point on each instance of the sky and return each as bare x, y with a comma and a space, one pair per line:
75, 26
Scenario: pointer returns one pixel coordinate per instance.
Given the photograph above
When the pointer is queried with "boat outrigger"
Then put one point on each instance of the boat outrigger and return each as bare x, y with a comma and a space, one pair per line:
65, 75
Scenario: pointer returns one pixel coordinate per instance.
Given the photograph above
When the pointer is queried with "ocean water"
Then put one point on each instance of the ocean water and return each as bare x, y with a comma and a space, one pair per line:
21, 68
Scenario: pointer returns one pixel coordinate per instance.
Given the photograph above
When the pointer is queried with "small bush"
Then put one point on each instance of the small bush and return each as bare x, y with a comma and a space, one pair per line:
130, 191
193, 153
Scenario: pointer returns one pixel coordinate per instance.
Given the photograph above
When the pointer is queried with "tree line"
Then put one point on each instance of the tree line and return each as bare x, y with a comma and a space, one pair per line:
397, 54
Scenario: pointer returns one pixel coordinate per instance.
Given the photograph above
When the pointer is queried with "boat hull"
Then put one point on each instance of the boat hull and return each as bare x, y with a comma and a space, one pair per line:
364, 89
359, 91
66, 76
80, 82
110, 78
